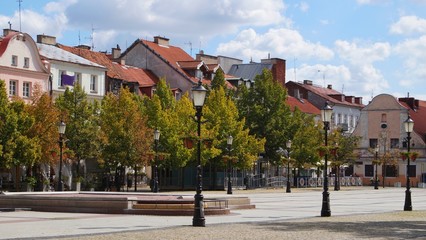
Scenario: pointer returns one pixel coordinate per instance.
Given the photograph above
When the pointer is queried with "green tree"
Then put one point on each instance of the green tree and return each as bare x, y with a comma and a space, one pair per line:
223, 120
126, 135
82, 130
218, 80
266, 112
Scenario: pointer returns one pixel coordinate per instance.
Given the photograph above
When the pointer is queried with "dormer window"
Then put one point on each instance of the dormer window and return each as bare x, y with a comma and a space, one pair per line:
26, 62
14, 60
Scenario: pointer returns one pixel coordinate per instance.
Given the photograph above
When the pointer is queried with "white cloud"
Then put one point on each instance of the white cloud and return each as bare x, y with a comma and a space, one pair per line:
366, 78
304, 6
413, 53
409, 25
35, 23
362, 55
281, 42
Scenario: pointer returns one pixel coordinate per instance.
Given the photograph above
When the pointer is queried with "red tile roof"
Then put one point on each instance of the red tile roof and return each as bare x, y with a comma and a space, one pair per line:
116, 70
327, 94
4, 42
418, 115
303, 105
172, 55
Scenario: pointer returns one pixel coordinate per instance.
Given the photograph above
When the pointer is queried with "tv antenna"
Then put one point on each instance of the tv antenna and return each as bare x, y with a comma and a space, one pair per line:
92, 38
190, 47
19, 2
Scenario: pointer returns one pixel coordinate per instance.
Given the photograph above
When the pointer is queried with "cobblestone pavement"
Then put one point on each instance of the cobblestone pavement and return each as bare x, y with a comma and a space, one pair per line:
357, 213
395, 225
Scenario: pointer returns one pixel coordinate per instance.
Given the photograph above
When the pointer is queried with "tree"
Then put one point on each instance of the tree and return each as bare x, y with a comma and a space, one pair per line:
126, 135
82, 128
266, 112
223, 120
19, 148
218, 80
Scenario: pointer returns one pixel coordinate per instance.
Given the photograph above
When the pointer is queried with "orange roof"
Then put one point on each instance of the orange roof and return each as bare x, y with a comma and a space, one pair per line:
327, 94
172, 55
116, 70
303, 105
418, 115
190, 64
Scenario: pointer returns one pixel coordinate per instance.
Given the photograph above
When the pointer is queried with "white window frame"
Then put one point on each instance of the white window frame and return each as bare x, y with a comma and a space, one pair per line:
14, 61
26, 62
13, 88
60, 77
93, 83
26, 89
77, 78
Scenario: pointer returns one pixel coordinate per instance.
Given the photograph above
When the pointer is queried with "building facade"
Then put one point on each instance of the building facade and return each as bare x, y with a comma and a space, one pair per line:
21, 66
383, 138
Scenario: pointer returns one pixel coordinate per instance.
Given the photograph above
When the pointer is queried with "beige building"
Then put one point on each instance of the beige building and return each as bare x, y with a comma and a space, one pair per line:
383, 138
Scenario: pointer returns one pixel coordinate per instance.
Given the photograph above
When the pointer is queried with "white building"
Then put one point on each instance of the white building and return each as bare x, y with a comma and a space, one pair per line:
67, 68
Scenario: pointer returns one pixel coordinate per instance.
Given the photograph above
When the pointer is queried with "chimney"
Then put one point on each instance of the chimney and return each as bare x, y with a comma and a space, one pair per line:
358, 100
350, 99
329, 86
7, 31
45, 39
116, 52
161, 41
122, 61
307, 82
85, 47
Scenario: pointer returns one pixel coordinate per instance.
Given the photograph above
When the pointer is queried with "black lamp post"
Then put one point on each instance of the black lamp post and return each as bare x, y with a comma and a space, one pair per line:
198, 97
229, 143
336, 169
61, 129
156, 138
326, 113
376, 158
288, 145
409, 125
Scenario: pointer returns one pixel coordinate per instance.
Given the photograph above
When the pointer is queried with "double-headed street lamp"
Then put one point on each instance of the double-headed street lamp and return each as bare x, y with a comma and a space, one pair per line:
409, 125
326, 113
61, 129
229, 144
156, 139
288, 145
376, 159
198, 97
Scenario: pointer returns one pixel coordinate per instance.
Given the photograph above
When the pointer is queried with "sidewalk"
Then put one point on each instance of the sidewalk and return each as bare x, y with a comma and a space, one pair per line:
278, 215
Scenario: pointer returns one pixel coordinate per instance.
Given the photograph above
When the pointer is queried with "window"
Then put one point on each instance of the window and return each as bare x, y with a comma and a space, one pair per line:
14, 60
339, 118
394, 143
13, 88
412, 171
93, 83
369, 170
373, 142
26, 89
391, 171
26, 62
77, 78
61, 72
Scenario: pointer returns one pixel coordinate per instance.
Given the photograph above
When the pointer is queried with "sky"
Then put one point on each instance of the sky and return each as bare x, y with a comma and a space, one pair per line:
361, 47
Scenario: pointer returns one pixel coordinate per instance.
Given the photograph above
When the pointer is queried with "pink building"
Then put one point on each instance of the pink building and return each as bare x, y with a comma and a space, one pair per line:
20, 65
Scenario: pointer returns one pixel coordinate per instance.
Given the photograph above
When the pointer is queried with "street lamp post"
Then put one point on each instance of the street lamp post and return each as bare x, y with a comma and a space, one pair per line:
198, 97
61, 128
229, 143
336, 169
326, 113
409, 125
156, 138
288, 145
376, 179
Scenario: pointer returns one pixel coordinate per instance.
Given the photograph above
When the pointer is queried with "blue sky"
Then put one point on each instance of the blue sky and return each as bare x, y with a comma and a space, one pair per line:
361, 47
